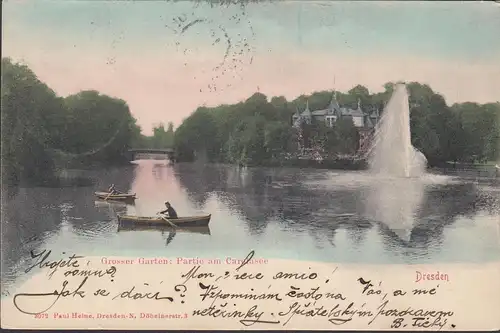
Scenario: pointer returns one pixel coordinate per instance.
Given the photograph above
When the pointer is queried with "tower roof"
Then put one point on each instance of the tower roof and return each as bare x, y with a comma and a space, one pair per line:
307, 111
334, 104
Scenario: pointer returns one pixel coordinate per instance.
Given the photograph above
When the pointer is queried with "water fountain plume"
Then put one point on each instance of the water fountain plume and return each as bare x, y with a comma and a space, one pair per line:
392, 153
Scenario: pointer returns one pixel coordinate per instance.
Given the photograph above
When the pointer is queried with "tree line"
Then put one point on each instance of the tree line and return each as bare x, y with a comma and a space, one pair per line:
42, 131
161, 138
259, 131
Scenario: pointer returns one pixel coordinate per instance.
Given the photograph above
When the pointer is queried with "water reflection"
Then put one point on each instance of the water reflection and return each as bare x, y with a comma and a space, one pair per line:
292, 213
395, 203
200, 181
31, 217
163, 229
167, 232
111, 208
410, 215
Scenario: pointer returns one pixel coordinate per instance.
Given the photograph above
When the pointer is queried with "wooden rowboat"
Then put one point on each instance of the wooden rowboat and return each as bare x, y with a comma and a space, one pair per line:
191, 221
116, 197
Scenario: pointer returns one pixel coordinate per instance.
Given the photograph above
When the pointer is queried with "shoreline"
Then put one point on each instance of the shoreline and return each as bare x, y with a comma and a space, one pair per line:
472, 172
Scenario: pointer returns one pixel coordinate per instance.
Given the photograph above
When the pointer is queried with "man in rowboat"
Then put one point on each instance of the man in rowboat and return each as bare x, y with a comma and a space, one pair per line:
112, 190
172, 214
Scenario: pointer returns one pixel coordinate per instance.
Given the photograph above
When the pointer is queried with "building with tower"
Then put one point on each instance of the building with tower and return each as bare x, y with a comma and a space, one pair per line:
364, 118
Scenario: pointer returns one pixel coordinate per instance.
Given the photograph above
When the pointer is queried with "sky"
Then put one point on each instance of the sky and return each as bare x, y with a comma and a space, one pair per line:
167, 58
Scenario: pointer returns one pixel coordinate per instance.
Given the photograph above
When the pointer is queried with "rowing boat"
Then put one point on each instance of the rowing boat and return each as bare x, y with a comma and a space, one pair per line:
116, 197
191, 221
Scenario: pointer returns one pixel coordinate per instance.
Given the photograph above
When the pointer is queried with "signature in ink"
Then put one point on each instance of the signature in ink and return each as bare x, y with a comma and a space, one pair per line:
64, 292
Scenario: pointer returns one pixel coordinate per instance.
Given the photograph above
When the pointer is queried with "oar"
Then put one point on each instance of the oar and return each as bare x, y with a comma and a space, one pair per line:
168, 221
109, 194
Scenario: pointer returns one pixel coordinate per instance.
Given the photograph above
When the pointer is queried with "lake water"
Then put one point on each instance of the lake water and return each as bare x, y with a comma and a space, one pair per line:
300, 214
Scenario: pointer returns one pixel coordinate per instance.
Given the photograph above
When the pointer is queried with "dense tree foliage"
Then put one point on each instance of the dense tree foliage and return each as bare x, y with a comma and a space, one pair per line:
249, 133
479, 132
27, 105
160, 139
100, 128
258, 131
42, 131
465, 132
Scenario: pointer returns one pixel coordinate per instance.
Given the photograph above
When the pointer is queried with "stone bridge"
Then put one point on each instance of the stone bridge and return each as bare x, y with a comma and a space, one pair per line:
146, 153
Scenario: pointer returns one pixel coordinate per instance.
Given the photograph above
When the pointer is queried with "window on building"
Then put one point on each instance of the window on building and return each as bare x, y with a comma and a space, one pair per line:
330, 120
358, 121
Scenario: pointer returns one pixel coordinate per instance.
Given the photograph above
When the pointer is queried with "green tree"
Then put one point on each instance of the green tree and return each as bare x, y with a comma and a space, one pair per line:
347, 136
360, 93
33, 123
278, 139
480, 125
100, 128
162, 138
194, 137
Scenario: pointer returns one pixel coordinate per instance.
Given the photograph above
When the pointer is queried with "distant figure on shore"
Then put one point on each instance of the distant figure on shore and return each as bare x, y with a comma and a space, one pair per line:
170, 211
497, 171
112, 189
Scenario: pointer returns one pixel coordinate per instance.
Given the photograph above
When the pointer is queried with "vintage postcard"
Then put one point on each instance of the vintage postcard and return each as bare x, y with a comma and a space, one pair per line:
255, 165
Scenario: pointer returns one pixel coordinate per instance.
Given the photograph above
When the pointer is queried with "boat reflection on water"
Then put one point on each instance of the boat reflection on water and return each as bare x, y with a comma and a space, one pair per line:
120, 205
107, 203
163, 228
171, 231
114, 207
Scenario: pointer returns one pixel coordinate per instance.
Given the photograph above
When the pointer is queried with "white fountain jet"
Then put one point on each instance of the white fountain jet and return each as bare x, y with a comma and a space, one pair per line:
392, 153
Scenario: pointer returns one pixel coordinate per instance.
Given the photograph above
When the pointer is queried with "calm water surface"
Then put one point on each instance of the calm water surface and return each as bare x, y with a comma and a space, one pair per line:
301, 214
